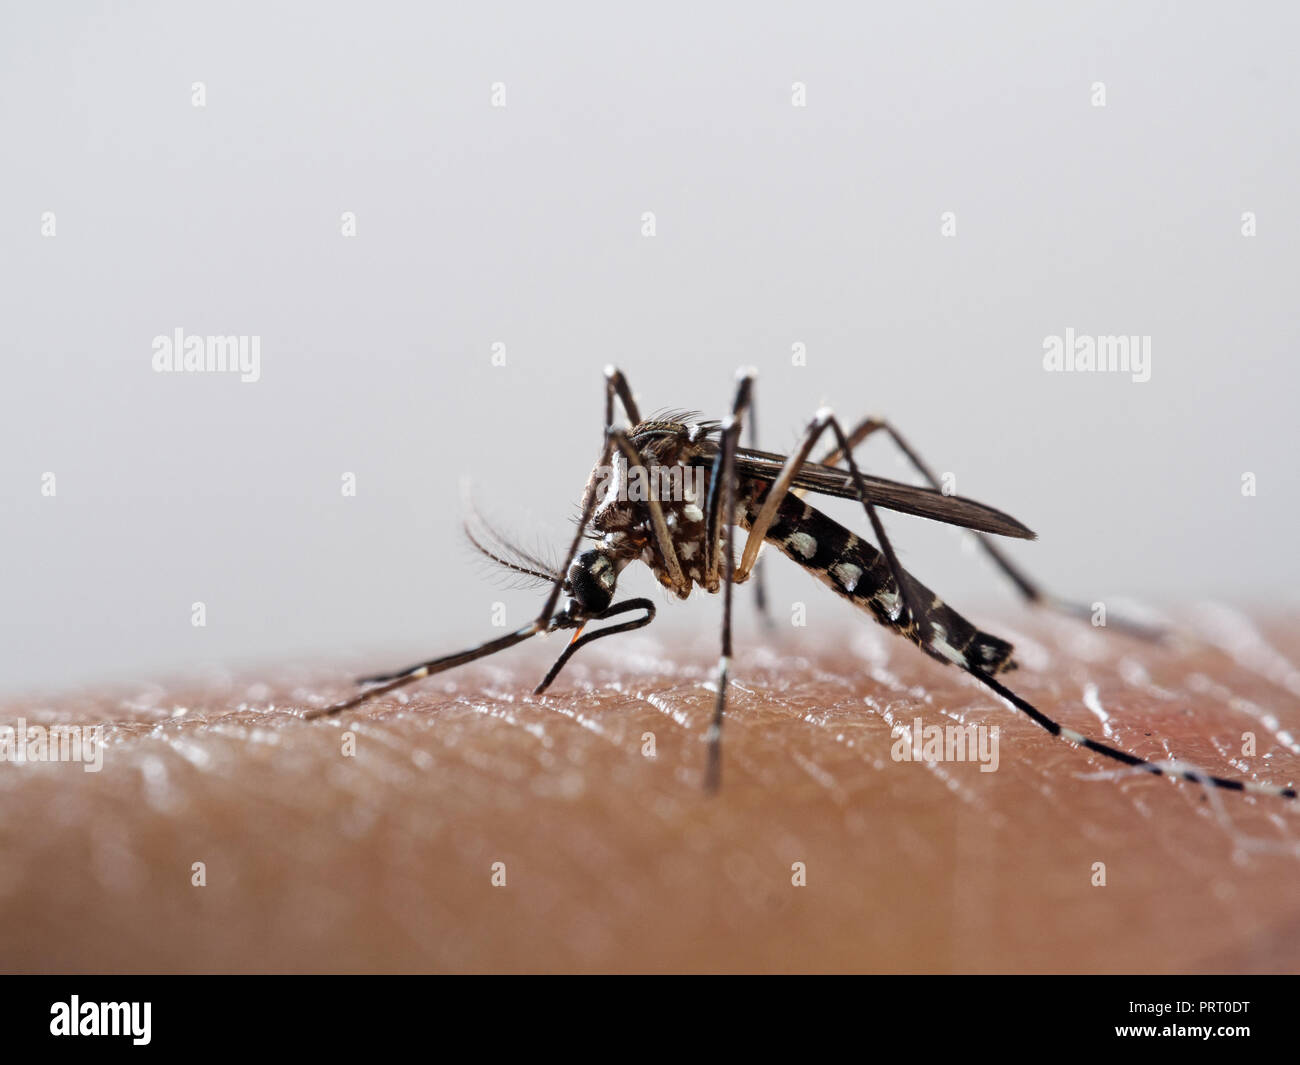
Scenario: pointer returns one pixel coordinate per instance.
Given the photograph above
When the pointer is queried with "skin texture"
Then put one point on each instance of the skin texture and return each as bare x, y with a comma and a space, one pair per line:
383, 860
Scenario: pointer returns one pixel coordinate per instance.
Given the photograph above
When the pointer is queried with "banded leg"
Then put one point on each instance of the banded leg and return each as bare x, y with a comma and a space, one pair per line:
721, 504
974, 664
1171, 768
388, 682
1028, 588
616, 387
760, 582
658, 523
908, 615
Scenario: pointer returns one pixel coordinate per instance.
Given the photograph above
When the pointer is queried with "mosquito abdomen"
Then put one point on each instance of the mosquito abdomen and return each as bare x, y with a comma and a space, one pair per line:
857, 571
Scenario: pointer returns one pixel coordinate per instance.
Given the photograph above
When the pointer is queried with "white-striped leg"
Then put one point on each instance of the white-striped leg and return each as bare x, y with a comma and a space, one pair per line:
658, 523
909, 613
760, 580
722, 495
616, 387
1160, 769
391, 681
1028, 588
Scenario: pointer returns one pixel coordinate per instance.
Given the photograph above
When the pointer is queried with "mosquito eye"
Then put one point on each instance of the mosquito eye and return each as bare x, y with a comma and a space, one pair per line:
592, 578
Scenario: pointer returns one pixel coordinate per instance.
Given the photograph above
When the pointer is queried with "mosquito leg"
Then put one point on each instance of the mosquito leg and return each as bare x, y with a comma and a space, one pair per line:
721, 508
1026, 586
616, 387
767, 514
760, 582
909, 614
658, 523
579, 640
1170, 769
391, 681
866, 428
713, 505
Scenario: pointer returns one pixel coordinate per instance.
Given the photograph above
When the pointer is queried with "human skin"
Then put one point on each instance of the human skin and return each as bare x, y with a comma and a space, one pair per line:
316, 859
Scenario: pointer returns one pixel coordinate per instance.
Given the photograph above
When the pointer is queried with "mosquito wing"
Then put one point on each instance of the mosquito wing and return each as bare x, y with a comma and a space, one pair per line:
904, 498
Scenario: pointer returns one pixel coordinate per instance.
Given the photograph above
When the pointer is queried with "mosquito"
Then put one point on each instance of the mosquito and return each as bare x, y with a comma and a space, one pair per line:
686, 539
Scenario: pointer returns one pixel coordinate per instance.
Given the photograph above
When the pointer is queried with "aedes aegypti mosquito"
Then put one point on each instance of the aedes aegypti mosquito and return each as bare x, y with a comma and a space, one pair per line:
686, 541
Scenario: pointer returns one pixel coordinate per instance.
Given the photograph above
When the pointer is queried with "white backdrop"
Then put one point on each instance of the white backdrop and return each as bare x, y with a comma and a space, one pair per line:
126, 212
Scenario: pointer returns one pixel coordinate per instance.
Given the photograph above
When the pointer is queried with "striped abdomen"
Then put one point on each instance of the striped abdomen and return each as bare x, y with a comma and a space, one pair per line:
860, 573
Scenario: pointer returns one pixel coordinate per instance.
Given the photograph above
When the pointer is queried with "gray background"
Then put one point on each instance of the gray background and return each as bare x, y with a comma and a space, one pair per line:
776, 225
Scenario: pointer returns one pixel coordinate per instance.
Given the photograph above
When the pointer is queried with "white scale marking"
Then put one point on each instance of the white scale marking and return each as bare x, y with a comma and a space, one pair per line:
847, 574
802, 544
939, 641
891, 602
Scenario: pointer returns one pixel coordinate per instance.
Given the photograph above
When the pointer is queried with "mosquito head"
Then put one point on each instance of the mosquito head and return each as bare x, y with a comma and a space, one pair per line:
592, 578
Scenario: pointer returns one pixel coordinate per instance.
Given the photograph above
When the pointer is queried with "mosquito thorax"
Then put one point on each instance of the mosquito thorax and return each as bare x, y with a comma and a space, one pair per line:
592, 578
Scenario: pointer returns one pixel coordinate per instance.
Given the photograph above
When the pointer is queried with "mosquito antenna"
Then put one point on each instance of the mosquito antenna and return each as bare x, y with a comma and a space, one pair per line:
579, 640
489, 541
515, 567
